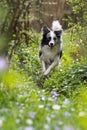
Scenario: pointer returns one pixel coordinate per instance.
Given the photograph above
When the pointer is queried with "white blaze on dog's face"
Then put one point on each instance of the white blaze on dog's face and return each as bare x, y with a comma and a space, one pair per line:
51, 36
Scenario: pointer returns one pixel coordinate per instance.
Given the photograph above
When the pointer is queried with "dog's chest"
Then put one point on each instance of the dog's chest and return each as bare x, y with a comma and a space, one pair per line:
48, 53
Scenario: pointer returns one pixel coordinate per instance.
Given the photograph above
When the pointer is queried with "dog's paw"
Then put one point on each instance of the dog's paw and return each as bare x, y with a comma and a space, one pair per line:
46, 73
43, 71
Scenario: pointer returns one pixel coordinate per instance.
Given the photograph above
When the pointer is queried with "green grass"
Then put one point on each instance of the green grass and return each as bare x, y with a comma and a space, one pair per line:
26, 107
60, 105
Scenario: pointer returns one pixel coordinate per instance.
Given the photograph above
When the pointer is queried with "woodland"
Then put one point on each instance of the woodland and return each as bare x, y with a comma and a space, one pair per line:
28, 100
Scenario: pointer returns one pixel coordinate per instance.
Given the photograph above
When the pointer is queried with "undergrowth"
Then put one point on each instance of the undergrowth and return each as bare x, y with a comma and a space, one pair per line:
60, 105
64, 78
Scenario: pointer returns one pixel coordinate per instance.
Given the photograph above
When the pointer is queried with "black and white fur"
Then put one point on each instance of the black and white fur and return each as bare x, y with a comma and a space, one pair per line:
50, 50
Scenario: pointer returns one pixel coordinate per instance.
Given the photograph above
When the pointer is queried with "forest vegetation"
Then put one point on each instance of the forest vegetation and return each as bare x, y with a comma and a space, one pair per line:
28, 100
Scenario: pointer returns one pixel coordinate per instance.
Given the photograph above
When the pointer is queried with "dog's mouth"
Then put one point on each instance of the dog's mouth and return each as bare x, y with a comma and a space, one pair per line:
51, 46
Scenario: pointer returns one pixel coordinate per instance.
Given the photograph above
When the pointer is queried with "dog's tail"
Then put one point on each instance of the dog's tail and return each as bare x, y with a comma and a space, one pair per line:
56, 25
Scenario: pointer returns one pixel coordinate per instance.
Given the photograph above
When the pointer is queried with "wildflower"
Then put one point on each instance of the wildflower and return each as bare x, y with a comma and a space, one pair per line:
48, 119
66, 102
20, 95
56, 107
52, 115
17, 121
50, 99
67, 113
29, 121
68, 128
32, 114
43, 90
55, 94
46, 126
1, 120
43, 97
72, 109
41, 106
56, 128
60, 122
29, 128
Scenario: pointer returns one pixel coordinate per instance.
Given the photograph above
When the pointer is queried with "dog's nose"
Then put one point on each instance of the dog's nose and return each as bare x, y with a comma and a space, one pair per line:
51, 44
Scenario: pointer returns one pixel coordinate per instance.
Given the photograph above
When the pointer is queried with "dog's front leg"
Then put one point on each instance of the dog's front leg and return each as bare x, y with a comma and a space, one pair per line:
43, 66
56, 62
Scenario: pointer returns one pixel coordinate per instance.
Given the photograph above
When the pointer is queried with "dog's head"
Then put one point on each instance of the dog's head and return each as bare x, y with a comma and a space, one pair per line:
52, 36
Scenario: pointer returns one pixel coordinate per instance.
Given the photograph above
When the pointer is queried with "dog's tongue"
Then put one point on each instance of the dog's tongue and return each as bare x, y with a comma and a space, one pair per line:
51, 47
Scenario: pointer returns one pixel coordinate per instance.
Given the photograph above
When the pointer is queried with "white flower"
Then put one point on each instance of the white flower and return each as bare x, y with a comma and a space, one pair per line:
72, 109
46, 126
1, 120
68, 128
29, 128
56, 107
41, 106
29, 121
32, 114
66, 101
17, 121
50, 99
43, 97
48, 119
60, 122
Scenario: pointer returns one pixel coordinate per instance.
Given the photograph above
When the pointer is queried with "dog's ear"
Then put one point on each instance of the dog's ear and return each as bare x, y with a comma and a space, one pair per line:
58, 33
45, 29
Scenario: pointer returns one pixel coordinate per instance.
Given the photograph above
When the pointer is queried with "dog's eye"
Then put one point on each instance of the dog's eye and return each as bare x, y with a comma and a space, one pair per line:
58, 32
49, 38
54, 38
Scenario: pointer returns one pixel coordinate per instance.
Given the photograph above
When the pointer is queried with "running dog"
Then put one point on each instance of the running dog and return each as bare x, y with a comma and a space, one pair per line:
50, 49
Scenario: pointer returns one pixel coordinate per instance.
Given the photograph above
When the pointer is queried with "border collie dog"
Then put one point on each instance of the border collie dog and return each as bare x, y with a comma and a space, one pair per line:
50, 50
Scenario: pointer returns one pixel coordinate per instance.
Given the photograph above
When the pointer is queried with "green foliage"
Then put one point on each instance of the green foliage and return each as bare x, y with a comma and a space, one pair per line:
66, 80
60, 105
12, 79
27, 59
3, 12
73, 71
79, 12
26, 105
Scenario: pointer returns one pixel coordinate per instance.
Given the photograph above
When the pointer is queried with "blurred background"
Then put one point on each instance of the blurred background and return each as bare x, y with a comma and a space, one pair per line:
18, 17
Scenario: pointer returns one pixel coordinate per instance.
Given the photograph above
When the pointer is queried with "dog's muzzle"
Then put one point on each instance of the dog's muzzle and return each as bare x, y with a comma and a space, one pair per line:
51, 45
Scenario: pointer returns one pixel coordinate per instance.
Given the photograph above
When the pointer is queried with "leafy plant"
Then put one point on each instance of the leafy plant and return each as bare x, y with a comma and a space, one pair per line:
66, 81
